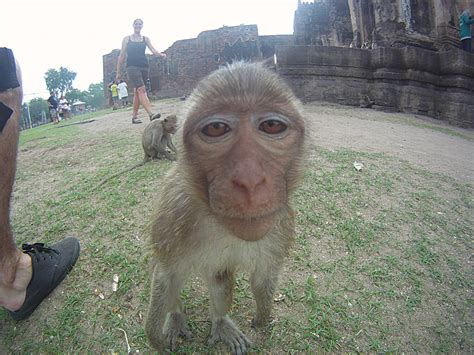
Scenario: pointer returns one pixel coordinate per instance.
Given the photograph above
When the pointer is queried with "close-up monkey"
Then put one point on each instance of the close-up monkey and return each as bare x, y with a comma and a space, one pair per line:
155, 139
225, 205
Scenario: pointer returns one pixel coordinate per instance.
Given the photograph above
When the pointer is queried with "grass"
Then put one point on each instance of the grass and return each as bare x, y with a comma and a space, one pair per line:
380, 262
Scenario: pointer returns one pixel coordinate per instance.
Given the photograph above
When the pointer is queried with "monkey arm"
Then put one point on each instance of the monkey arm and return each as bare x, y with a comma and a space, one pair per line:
159, 143
169, 143
164, 300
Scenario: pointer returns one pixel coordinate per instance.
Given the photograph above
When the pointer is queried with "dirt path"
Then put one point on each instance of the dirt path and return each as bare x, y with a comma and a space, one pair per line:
395, 134
422, 141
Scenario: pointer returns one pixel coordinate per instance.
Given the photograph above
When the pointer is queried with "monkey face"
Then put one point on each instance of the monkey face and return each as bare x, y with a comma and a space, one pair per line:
247, 157
170, 124
243, 139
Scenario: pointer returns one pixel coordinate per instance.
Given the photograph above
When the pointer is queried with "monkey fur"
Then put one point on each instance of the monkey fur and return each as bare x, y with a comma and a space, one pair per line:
225, 205
155, 139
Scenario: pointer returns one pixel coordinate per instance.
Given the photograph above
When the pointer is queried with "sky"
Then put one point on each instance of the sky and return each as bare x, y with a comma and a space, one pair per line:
76, 34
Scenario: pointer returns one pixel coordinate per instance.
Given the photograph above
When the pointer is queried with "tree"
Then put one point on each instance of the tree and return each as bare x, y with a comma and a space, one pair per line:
59, 80
95, 97
37, 108
74, 95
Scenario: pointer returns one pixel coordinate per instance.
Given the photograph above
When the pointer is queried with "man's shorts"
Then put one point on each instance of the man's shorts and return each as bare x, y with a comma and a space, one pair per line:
8, 79
137, 76
53, 112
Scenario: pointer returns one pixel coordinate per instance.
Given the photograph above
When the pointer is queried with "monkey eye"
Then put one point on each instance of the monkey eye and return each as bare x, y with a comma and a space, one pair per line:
215, 129
272, 127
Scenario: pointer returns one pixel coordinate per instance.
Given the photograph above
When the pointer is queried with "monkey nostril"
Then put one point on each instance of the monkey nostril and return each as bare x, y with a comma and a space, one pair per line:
249, 184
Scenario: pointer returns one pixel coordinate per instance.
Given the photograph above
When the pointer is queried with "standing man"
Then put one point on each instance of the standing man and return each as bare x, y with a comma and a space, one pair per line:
29, 275
53, 107
465, 22
123, 93
115, 95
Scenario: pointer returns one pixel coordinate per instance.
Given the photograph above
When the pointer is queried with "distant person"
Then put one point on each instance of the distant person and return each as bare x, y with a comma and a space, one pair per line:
133, 50
465, 22
29, 275
123, 93
64, 108
115, 95
53, 107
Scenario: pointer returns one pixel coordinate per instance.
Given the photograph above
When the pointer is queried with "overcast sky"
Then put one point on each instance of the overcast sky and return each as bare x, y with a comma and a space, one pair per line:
76, 34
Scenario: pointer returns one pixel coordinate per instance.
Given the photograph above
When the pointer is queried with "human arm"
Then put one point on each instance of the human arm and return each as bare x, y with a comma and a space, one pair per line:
152, 49
122, 57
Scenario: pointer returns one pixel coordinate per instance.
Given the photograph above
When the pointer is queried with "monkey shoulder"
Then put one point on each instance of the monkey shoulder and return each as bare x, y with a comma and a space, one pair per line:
174, 215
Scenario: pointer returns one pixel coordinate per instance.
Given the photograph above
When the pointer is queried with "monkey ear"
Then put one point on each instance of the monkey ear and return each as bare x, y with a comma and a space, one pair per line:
165, 120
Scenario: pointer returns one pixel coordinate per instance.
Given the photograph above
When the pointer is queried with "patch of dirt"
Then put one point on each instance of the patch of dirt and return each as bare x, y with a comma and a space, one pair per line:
335, 126
121, 120
395, 134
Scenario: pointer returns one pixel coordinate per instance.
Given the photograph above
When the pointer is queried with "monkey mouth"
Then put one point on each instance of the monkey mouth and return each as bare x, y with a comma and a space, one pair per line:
249, 228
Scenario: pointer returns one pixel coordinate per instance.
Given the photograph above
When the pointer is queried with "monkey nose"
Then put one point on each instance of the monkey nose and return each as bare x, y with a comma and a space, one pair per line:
249, 185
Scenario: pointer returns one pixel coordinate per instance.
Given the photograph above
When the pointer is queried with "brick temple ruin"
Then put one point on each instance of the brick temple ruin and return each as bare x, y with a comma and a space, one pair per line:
401, 55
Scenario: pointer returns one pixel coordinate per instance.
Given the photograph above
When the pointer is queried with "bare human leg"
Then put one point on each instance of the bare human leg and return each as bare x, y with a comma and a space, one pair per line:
136, 106
15, 266
27, 276
143, 97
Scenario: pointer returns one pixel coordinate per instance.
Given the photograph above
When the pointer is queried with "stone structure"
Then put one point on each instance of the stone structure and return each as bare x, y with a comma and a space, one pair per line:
379, 23
408, 58
394, 54
188, 61
409, 79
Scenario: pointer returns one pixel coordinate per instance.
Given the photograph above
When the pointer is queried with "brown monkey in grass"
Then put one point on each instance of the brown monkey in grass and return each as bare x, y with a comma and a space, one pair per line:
156, 139
225, 205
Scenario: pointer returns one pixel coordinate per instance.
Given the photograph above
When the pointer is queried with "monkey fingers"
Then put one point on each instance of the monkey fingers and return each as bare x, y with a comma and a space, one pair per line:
176, 327
226, 331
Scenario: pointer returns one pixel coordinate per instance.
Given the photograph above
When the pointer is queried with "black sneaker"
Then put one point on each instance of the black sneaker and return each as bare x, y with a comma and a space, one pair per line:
155, 116
50, 266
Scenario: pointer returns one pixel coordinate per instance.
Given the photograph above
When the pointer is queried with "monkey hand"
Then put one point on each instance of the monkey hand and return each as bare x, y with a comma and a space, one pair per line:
176, 327
226, 331
171, 157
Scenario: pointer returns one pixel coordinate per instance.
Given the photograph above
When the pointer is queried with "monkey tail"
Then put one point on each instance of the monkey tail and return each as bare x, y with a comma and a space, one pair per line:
143, 162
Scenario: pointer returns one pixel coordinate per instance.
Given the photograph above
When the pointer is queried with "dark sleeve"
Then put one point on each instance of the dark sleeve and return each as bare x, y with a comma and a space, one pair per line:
8, 79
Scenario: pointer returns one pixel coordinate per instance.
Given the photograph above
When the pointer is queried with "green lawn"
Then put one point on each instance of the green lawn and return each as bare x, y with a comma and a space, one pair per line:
380, 263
